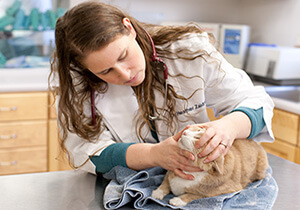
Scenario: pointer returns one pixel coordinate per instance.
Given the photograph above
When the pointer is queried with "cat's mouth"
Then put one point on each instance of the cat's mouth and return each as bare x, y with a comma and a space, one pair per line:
188, 145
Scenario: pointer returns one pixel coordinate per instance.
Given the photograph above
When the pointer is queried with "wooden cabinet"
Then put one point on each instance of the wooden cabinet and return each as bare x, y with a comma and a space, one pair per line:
23, 106
23, 132
286, 129
28, 134
285, 126
210, 114
23, 160
57, 160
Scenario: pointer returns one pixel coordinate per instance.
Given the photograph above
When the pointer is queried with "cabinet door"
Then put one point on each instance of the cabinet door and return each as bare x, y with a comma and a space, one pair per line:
23, 106
23, 160
52, 109
297, 158
285, 126
210, 114
281, 149
57, 160
23, 134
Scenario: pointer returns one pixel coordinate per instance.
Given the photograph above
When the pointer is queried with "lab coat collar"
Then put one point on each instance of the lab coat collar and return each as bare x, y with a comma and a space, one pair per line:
119, 108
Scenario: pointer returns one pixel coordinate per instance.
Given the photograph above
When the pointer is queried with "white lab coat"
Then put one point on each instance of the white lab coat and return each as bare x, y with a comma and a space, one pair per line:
223, 90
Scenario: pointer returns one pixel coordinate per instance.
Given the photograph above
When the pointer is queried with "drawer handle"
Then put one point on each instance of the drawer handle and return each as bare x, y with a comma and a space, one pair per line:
8, 109
7, 137
12, 163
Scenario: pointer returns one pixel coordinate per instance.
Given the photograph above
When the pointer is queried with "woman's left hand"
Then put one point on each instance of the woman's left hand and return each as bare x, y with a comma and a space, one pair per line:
220, 134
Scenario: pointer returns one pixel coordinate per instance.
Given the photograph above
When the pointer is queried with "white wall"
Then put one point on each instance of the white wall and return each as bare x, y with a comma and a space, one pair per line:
27, 5
174, 10
272, 21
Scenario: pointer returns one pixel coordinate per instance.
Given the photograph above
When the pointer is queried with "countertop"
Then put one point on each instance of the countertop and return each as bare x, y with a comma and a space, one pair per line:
36, 79
286, 105
23, 80
280, 103
79, 190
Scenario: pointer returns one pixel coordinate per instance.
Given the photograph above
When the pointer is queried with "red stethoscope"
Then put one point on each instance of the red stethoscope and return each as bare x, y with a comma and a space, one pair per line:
157, 61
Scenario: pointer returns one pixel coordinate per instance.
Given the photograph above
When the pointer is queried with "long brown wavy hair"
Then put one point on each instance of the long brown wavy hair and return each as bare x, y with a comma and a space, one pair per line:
88, 27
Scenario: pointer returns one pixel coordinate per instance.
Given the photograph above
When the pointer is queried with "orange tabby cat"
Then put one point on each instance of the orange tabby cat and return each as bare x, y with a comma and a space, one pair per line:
245, 162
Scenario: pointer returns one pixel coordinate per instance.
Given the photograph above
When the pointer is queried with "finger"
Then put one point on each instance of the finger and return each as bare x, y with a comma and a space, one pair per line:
183, 175
221, 149
187, 154
186, 165
189, 168
198, 126
226, 151
178, 158
177, 136
209, 133
211, 146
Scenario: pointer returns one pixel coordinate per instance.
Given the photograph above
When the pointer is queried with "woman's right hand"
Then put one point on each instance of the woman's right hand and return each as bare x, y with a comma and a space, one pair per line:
168, 155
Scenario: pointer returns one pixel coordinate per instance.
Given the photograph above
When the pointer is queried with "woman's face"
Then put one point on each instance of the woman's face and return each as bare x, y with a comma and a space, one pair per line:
121, 62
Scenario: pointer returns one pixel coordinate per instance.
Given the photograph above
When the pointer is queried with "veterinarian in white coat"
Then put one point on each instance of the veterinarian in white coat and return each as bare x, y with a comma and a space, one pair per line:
206, 81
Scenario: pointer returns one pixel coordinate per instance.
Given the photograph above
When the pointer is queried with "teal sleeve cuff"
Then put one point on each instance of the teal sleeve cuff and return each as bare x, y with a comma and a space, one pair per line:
256, 118
110, 157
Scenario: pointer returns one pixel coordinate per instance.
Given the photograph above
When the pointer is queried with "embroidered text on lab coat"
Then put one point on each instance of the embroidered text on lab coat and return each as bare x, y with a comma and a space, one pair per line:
189, 109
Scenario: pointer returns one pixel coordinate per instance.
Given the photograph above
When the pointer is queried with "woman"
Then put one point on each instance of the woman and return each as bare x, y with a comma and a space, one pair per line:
119, 104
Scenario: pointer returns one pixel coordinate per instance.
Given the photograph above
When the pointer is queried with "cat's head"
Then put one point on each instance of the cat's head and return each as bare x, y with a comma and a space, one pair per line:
189, 138
187, 142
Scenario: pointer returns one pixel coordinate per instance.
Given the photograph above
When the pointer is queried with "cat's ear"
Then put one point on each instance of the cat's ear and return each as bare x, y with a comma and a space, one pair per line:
219, 164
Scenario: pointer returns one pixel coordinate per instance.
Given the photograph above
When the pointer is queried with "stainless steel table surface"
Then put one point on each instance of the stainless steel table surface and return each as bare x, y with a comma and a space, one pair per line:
72, 190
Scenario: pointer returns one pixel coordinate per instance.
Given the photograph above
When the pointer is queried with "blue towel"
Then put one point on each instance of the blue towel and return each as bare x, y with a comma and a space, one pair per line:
129, 188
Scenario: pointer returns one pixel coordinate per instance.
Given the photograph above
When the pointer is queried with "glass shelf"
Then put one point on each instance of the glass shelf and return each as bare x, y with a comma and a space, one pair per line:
27, 32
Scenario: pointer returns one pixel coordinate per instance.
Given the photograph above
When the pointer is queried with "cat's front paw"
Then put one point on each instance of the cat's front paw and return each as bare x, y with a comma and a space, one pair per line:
158, 194
176, 201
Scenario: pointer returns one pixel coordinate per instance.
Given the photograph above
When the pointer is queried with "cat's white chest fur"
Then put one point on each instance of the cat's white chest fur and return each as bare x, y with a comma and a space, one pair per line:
178, 184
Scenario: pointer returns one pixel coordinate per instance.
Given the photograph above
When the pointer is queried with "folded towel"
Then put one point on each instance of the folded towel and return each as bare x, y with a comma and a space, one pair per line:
6, 21
19, 20
34, 18
129, 188
2, 60
11, 11
52, 18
